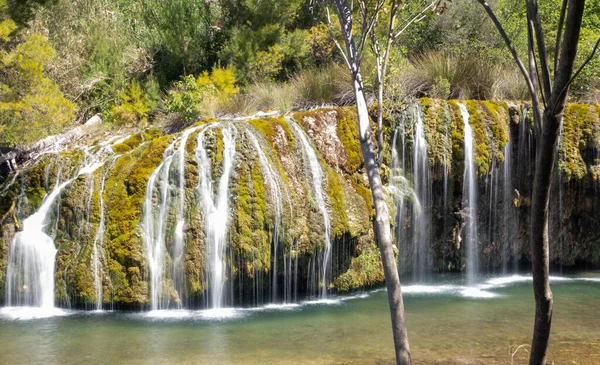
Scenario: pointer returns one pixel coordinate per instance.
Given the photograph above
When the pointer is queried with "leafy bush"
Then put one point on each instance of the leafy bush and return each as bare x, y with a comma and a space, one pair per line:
133, 108
191, 96
31, 105
99, 49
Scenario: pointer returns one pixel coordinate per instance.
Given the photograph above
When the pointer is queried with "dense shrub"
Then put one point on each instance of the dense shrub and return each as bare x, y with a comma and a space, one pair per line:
133, 107
31, 105
190, 96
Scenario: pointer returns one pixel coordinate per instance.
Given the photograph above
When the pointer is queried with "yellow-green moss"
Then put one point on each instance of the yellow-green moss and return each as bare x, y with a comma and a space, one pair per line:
267, 126
125, 191
364, 191
251, 239
580, 132
457, 136
437, 125
497, 118
365, 270
347, 132
339, 219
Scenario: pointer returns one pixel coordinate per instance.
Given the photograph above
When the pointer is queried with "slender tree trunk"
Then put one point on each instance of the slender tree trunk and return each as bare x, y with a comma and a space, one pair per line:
547, 126
547, 139
539, 239
383, 232
383, 235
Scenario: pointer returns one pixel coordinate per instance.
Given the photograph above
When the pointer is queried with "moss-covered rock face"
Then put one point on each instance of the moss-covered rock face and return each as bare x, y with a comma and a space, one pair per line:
263, 208
252, 260
580, 142
503, 199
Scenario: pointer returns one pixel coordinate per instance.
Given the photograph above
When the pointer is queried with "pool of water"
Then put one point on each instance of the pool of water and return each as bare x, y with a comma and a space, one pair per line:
448, 323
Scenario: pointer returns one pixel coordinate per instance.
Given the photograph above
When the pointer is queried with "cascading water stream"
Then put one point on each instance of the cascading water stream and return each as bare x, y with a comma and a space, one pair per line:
30, 272
153, 228
470, 199
98, 247
319, 195
215, 209
422, 189
275, 191
155, 223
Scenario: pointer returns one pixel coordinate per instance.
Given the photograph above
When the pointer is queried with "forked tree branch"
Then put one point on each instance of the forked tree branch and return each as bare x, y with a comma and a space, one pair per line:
534, 16
337, 44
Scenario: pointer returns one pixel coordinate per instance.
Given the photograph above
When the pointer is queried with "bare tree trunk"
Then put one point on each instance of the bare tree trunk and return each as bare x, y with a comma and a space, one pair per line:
382, 217
539, 242
384, 238
547, 126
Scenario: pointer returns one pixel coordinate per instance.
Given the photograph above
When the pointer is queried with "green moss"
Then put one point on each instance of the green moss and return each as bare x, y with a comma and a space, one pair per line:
364, 191
251, 237
335, 193
124, 195
268, 128
347, 132
580, 134
365, 270
497, 118
457, 136
437, 125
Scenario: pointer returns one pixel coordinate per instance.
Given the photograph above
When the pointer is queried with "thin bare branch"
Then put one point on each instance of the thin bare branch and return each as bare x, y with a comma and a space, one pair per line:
335, 39
533, 66
368, 24
534, 16
417, 18
535, 77
587, 60
510, 46
561, 23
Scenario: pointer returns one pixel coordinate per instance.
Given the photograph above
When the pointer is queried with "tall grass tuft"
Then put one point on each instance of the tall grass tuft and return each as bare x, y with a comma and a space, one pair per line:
448, 76
327, 85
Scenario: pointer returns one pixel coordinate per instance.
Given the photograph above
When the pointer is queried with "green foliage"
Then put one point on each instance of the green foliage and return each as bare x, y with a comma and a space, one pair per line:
184, 35
100, 47
264, 44
31, 105
22, 11
133, 107
189, 96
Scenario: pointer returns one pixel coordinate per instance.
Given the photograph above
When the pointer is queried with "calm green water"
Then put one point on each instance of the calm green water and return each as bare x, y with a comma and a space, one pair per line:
447, 324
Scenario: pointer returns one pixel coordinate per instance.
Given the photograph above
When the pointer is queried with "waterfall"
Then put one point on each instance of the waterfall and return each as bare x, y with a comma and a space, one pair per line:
275, 191
398, 168
178, 241
30, 272
98, 247
154, 227
216, 210
319, 195
155, 223
422, 189
470, 199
